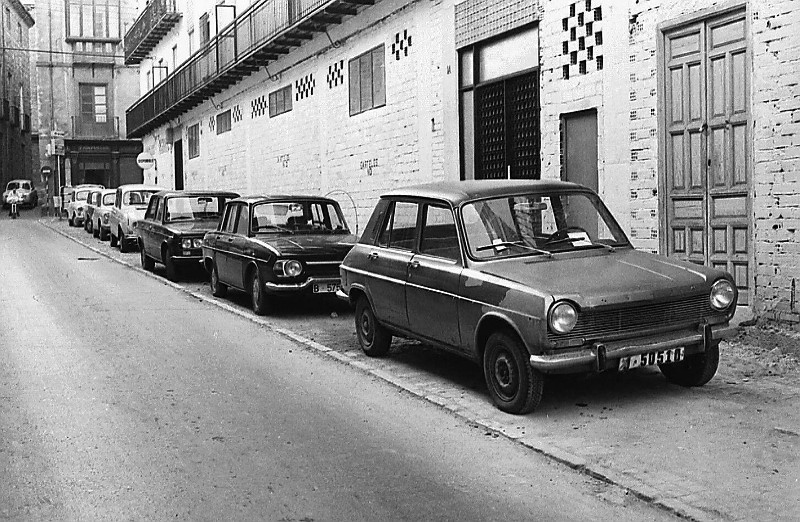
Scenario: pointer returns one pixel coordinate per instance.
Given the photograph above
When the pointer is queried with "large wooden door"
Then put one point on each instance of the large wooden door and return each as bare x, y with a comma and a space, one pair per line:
707, 122
579, 163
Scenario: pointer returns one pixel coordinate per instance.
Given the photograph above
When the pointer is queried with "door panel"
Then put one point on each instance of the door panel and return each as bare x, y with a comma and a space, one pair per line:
387, 283
707, 154
432, 305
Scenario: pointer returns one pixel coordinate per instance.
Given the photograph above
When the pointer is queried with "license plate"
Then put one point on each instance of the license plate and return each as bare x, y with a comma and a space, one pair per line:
648, 359
325, 288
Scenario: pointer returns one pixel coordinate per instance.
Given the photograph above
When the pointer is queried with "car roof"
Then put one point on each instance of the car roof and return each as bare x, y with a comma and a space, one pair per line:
261, 198
139, 186
192, 193
21, 180
457, 192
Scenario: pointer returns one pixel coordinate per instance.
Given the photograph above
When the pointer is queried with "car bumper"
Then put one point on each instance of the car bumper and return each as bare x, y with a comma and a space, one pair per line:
603, 356
306, 285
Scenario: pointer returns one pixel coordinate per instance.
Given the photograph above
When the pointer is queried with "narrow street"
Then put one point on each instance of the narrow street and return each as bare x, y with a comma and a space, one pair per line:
122, 398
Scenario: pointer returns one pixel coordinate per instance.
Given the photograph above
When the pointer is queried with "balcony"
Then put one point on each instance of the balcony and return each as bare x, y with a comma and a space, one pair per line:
82, 128
264, 32
155, 21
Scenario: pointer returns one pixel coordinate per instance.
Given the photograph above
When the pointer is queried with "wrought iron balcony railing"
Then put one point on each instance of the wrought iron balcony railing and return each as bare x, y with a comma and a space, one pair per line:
265, 31
155, 21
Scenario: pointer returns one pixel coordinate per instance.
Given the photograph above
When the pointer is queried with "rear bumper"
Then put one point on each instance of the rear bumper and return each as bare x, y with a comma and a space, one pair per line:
603, 356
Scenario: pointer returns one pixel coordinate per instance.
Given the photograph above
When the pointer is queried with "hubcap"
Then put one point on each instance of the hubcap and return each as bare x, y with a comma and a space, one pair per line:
505, 375
256, 291
366, 327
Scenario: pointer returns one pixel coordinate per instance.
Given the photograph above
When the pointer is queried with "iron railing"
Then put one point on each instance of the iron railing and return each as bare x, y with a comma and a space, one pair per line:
155, 21
263, 32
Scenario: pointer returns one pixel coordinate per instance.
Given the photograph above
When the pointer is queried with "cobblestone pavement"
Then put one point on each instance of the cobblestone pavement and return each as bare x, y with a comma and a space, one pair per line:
727, 451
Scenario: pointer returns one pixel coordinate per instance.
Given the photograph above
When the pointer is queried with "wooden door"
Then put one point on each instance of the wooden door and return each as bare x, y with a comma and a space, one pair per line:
579, 161
707, 123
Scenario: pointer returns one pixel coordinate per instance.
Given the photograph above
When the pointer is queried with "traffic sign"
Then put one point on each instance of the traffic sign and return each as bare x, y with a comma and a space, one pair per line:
145, 160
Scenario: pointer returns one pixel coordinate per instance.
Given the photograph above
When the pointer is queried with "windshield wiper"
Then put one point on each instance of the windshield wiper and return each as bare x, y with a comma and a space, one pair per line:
275, 227
515, 244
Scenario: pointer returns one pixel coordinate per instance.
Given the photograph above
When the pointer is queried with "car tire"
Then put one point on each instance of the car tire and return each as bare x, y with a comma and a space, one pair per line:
87, 225
695, 370
123, 246
147, 262
113, 239
514, 385
172, 268
103, 234
218, 289
373, 337
71, 220
96, 230
258, 297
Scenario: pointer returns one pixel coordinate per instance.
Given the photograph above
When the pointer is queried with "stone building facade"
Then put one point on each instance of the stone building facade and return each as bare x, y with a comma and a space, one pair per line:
684, 116
15, 84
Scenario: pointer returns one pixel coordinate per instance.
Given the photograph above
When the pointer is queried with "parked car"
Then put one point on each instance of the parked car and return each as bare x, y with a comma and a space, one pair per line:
530, 278
277, 245
25, 189
173, 227
76, 208
91, 204
101, 212
130, 204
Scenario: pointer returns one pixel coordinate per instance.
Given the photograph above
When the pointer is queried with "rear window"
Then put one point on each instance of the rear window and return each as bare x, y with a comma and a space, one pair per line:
13, 185
108, 199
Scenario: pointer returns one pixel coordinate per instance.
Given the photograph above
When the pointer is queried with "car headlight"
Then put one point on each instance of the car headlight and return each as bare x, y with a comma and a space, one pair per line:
722, 294
197, 243
562, 317
105, 219
290, 268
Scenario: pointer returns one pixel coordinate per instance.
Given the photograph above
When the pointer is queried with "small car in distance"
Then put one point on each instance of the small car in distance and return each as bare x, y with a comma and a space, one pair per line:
76, 208
274, 245
130, 204
173, 227
529, 278
101, 210
25, 190
91, 204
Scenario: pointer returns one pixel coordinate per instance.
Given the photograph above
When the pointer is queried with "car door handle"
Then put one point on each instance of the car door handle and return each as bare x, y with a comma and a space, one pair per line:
414, 264
373, 255
230, 240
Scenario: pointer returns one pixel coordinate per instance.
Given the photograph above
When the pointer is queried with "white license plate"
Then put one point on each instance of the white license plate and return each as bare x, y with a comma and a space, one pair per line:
325, 288
648, 359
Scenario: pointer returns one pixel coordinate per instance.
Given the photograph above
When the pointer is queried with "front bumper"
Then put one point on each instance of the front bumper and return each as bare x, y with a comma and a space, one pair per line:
302, 287
603, 356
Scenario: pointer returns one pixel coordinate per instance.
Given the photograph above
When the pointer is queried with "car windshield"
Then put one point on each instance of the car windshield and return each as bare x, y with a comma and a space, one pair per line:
137, 197
81, 195
108, 199
300, 216
194, 208
539, 224
12, 185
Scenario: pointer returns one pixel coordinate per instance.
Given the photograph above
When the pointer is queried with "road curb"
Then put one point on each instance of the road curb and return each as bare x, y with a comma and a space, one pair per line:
640, 490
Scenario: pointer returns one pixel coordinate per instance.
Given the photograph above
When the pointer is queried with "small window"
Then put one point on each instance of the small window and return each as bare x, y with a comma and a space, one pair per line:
231, 215
367, 81
399, 230
280, 101
193, 134
205, 29
160, 209
151, 209
243, 224
439, 237
224, 122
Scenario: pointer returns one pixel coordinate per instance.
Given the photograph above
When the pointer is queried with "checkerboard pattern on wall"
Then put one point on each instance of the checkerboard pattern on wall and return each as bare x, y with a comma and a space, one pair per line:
401, 44
582, 41
304, 87
259, 106
335, 74
236, 113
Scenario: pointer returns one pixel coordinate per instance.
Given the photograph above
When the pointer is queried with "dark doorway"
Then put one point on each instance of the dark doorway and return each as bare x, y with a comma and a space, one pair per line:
177, 149
579, 158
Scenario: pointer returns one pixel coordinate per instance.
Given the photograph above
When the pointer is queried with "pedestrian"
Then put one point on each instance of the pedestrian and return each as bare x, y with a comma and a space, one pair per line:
14, 200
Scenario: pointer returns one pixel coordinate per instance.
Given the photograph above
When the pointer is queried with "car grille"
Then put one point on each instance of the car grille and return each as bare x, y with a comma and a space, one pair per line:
617, 322
322, 269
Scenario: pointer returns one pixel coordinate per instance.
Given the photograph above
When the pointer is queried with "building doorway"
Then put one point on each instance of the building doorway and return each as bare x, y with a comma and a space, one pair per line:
177, 149
579, 158
706, 122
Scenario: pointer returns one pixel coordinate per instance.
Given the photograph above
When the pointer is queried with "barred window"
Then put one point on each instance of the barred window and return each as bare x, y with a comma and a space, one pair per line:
93, 19
194, 140
367, 81
94, 103
224, 122
280, 101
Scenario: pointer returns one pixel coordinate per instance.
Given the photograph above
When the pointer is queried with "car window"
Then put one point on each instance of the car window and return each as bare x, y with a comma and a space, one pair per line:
193, 208
399, 230
13, 185
439, 237
231, 218
160, 208
151, 209
26, 186
108, 199
81, 195
243, 225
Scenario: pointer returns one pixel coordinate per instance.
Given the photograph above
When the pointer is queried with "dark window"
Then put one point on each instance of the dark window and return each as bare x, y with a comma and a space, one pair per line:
367, 81
151, 209
280, 101
224, 122
439, 237
399, 230
193, 134
231, 214
243, 224
205, 29
160, 209
94, 103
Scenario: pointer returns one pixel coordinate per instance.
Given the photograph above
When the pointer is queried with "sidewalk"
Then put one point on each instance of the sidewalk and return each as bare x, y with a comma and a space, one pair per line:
727, 451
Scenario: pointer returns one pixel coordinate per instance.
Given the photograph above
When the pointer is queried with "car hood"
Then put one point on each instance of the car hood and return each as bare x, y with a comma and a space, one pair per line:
607, 278
337, 245
192, 227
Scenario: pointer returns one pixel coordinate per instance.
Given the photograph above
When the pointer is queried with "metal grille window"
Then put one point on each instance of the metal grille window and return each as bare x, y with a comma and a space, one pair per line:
193, 135
94, 103
93, 19
280, 101
367, 81
224, 122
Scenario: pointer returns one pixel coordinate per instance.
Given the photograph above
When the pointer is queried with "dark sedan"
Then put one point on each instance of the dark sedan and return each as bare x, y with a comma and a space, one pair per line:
530, 278
277, 245
174, 225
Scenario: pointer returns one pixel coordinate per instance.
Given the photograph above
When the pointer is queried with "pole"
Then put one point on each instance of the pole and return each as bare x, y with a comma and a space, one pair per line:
57, 187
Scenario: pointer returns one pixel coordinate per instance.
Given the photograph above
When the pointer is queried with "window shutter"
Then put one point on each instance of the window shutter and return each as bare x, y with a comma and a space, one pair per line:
365, 66
355, 87
378, 78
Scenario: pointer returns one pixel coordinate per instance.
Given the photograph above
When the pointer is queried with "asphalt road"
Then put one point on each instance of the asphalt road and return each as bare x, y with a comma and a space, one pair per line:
121, 398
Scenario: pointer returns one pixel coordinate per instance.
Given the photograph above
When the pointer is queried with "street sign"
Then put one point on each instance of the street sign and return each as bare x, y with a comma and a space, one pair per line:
145, 160
46, 171
57, 134
57, 146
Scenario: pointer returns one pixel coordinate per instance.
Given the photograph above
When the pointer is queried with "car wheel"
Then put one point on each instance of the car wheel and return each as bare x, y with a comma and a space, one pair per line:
96, 230
87, 225
123, 246
147, 262
113, 240
71, 220
103, 234
172, 268
373, 337
260, 301
217, 288
695, 370
514, 385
